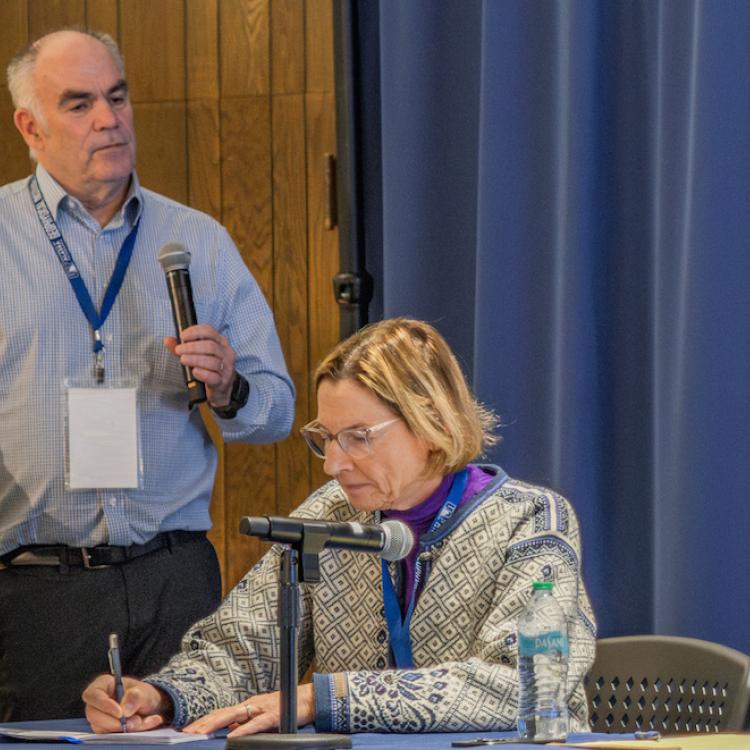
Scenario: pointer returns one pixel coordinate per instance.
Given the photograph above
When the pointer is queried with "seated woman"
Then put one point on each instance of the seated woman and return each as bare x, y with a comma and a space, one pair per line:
427, 644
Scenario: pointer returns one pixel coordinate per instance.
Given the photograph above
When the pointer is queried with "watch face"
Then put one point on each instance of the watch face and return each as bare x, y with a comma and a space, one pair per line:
240, 391
237, 399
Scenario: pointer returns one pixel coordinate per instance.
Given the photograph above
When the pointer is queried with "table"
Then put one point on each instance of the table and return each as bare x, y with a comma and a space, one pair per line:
436, 741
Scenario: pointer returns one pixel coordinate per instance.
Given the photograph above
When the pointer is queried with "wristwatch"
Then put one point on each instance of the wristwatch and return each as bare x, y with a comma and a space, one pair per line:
237, 398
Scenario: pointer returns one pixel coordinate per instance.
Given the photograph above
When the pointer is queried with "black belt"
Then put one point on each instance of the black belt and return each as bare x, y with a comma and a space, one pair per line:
101, 556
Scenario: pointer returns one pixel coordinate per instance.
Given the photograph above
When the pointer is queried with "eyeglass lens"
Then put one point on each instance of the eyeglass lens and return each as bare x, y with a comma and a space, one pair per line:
353, 442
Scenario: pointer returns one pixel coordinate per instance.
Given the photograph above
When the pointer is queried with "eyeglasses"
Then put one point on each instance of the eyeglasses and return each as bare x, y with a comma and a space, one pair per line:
355, 442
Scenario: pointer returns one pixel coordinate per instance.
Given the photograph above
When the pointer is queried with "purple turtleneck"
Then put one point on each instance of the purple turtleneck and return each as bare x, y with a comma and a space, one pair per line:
420, 518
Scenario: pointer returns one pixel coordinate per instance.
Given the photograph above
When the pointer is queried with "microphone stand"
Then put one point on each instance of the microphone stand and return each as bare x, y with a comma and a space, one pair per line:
299, 562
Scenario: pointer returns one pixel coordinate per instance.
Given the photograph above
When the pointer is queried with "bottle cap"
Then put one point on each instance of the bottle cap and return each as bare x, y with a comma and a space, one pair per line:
543, 585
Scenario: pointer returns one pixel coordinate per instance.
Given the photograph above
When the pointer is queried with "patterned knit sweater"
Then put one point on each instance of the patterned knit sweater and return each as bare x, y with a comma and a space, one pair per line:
480, 566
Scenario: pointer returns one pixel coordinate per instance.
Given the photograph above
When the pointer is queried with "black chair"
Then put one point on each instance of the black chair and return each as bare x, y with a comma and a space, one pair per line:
669, 684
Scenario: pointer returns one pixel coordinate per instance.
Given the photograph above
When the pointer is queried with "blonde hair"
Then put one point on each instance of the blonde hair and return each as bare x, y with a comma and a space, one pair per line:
410, 367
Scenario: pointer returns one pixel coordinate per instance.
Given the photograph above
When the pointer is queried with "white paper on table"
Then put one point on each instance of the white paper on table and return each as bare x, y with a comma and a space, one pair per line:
163, 736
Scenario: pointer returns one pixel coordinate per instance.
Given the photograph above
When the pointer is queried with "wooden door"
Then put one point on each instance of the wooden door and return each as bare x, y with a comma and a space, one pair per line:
235, 113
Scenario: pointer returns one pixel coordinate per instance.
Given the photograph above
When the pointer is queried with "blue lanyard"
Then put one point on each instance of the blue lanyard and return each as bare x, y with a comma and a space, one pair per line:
398, 626
95, 319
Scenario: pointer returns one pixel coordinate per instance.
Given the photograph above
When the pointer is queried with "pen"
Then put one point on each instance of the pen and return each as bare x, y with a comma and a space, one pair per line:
485, 741
116, 668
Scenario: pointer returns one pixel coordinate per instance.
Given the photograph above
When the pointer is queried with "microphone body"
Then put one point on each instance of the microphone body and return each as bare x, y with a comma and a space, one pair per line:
391, 540
175, 260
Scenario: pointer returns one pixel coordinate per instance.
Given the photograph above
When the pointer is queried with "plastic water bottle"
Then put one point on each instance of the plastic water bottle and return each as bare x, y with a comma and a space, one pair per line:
542, 667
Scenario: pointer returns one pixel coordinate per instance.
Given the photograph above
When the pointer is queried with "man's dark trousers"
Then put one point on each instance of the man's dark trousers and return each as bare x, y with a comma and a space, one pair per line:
55, 622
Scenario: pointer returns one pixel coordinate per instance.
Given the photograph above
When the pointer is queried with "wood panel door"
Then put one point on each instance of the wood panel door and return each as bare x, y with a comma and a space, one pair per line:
235, 113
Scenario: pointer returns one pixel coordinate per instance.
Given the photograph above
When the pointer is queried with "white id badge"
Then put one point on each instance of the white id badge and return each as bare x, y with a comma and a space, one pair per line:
102, 438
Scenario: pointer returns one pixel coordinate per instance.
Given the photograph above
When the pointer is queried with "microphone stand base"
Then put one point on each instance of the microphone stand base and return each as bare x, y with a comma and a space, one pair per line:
301, 740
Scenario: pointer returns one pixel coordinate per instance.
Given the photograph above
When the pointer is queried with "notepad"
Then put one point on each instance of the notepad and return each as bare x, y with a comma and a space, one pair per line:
695, 741
163, 736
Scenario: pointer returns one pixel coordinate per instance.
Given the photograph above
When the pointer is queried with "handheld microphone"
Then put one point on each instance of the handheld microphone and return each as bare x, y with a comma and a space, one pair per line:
391, 540
175, 260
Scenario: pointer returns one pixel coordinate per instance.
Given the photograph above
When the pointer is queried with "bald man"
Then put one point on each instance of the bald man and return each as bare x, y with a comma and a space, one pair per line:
105, 473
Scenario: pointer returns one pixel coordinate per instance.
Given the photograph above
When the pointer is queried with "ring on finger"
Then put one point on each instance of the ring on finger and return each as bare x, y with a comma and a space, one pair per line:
251, 710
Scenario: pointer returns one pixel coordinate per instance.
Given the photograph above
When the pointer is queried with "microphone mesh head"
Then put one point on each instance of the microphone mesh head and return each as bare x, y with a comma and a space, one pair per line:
398, 540
174, 257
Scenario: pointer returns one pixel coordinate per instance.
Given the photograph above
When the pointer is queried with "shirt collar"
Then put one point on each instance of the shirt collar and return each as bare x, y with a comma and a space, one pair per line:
57, 199
421, 516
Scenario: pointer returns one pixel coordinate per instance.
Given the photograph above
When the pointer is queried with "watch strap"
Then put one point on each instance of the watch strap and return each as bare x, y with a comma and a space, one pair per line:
237, 398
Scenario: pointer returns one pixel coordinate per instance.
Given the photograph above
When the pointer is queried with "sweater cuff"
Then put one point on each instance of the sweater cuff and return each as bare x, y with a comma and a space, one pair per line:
331, 702
180, 715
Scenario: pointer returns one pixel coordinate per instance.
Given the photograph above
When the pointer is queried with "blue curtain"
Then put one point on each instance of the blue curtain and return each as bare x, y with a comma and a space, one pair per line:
563, 188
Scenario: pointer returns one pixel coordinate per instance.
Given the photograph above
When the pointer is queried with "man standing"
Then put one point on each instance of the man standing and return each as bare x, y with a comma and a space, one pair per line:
105, 474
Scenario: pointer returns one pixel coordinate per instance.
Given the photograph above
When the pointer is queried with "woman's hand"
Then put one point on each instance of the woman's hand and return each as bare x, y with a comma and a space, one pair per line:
261, 713
145, 706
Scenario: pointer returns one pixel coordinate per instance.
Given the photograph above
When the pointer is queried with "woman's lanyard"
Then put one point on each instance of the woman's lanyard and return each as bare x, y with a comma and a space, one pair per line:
398, 626
95, 319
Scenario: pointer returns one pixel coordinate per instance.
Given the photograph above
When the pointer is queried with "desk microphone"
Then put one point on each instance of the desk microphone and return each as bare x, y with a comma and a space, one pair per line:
391, 540
175, 260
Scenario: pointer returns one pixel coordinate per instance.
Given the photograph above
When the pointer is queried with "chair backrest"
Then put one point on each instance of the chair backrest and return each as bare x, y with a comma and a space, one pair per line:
667, 683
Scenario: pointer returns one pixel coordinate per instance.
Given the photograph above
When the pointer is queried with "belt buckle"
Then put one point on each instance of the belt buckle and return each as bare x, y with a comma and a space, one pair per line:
86, 558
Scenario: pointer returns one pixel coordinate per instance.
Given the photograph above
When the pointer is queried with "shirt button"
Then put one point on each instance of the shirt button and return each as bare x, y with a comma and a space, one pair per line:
112, 502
